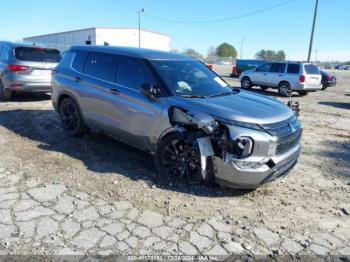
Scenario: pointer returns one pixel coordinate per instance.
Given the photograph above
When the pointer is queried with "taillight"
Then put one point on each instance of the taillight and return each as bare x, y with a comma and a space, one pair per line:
17, 67
210, 66
329, 78
302, 78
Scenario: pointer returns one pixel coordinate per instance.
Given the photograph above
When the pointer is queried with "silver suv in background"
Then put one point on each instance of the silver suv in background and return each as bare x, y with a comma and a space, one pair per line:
25, 68
285, 76
174, 107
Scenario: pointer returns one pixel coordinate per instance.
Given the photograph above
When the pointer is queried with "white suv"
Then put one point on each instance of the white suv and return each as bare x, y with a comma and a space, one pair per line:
285, 76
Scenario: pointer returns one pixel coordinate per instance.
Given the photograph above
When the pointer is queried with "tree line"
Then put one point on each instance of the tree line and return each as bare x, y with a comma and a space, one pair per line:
226, 50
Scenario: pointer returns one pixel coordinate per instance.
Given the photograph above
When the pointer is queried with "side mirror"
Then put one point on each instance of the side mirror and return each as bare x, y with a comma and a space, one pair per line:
149, 91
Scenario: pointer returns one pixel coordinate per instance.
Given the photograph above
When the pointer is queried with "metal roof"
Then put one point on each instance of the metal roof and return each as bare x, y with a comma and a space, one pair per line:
92, 28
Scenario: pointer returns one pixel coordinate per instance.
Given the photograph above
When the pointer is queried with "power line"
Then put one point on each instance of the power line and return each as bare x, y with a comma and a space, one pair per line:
222, 19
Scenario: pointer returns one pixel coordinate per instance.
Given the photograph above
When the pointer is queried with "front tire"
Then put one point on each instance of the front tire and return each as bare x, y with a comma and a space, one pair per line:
176, 159
71, 118
246, 83
5, 94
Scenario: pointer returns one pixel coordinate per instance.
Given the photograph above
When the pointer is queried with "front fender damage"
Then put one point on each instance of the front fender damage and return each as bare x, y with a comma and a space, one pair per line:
203, 131
206, 150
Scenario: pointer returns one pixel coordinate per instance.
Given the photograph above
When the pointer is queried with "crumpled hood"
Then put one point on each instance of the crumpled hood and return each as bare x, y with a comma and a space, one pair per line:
244, 106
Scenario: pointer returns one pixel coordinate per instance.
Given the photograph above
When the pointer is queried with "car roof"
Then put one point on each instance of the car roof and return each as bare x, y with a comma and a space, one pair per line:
289, 62
283, 62
133, 52
23, 44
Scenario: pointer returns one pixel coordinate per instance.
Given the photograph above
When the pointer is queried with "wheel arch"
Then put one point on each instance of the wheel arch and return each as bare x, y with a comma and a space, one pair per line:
71, 96
170, 131
246, 77
284, 81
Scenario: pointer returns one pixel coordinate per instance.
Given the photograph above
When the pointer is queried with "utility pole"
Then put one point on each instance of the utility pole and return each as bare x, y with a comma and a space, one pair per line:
241, 53
312, 32
140, 12
316, 51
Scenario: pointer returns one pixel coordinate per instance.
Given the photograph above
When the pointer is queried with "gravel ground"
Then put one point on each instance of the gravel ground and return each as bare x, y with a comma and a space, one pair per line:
95, 195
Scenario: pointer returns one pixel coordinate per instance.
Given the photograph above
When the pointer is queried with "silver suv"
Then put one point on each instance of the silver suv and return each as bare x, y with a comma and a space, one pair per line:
174, 107
285, 76
25, 68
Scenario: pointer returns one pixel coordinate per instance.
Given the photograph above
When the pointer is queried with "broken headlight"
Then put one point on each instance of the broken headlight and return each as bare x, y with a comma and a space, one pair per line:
242, 147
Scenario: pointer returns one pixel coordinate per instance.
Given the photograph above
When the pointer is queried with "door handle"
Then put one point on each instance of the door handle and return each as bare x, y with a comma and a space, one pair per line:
280, 75
265, 74
114, 91
77, 79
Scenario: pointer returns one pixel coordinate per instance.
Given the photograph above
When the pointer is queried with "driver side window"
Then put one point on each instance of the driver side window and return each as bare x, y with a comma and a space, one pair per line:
132, 73
264, 68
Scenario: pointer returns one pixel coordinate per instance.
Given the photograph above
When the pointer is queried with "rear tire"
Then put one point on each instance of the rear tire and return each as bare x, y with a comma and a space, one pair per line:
71, 118
284, 89
5, 94
175, 160
246, 83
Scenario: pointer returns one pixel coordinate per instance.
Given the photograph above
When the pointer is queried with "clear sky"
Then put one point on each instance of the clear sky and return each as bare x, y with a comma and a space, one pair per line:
286, 27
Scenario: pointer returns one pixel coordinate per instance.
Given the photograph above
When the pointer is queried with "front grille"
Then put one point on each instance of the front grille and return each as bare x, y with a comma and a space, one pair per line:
288, 133
286, 143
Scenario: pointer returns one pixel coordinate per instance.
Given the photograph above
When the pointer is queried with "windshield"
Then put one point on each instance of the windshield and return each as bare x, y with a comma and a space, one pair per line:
36, 54
190, 78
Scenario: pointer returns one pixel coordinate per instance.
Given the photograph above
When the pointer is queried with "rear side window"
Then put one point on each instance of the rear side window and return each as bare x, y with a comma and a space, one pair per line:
99, 65
35, 54
312, 69
132, 73
66, 59
278, 68
293, 69
79, 60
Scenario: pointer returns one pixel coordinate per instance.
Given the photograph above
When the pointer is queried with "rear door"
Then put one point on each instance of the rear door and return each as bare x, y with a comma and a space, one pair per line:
93, 84
293, 73
313, 76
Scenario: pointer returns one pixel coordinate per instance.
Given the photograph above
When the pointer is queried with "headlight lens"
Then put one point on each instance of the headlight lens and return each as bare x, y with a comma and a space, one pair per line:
242, 147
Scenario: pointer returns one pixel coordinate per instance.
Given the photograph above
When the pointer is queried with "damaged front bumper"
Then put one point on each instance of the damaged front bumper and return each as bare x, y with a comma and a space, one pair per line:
230, 175
270, 158
244, 155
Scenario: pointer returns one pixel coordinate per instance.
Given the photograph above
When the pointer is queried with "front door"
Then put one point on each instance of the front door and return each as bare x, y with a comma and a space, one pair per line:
138, 119
261, 74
